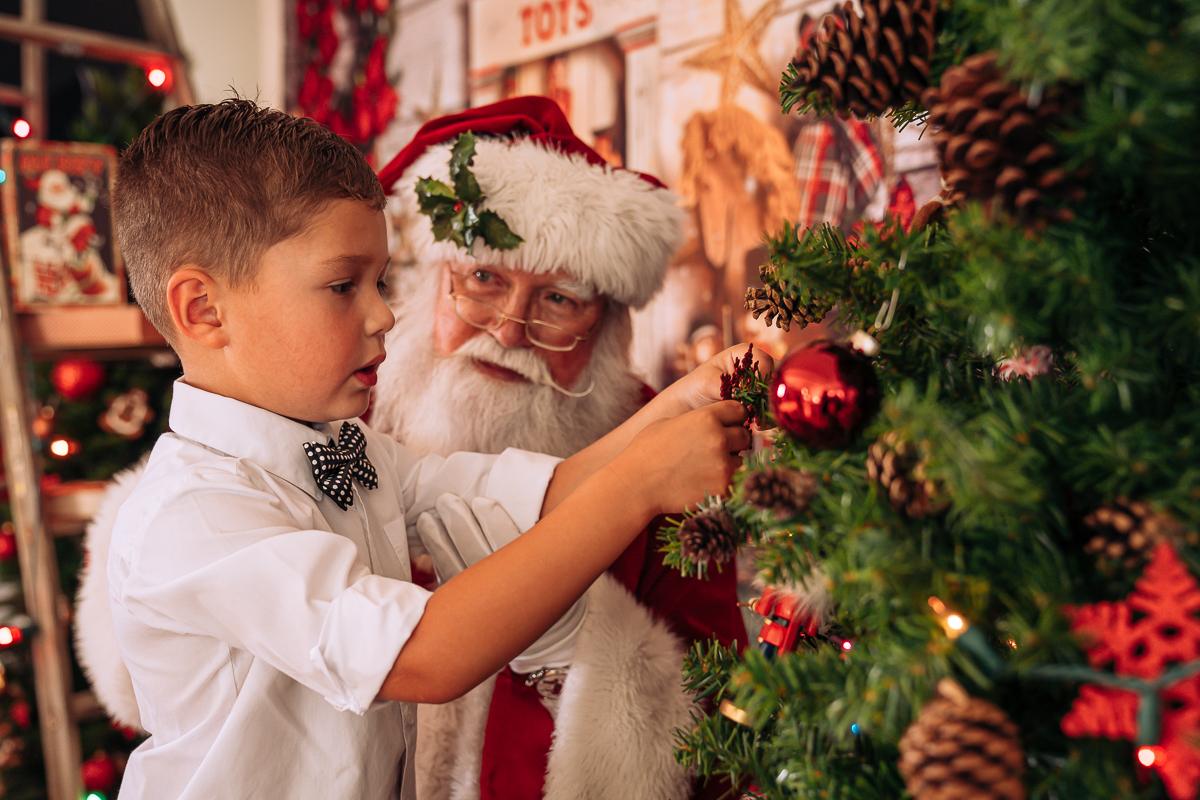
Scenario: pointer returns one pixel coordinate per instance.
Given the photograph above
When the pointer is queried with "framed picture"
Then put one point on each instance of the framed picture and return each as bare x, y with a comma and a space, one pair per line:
58, 234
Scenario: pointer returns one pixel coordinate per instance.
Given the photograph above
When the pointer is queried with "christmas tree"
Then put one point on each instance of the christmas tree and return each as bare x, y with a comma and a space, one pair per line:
977, 524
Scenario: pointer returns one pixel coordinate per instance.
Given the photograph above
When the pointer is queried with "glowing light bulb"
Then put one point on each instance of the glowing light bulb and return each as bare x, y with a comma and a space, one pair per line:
847, 645
60, 448
157, 76
9, 636
21, 129
1148, 755
954, 624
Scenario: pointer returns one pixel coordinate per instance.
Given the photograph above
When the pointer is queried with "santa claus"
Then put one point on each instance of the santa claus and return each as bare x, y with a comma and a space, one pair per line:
525, 347
529, 347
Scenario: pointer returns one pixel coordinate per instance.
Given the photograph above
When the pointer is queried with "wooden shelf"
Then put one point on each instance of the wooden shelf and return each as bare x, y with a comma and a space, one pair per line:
117, 327
68, 507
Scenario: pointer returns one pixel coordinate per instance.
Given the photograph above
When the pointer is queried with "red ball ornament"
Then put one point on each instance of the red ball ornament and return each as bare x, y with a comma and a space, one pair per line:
824, 394
77, 379
99, 772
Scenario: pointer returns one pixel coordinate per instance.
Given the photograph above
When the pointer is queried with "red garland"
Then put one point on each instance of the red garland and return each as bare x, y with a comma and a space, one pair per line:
1154, 628
361, 111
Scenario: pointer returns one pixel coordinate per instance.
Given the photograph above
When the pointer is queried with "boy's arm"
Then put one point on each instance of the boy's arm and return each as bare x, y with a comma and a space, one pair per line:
698, 388
486, 615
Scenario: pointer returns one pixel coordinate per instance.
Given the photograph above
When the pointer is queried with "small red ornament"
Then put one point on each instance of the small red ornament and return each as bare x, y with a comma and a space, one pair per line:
8, 541
99, 772
77, 379
824, 394
19, 711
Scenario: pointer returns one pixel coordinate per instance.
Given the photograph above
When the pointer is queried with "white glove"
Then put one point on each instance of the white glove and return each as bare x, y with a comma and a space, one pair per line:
457, 535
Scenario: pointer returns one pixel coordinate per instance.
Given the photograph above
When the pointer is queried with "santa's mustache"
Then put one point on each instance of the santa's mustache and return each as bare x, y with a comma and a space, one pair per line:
521, 360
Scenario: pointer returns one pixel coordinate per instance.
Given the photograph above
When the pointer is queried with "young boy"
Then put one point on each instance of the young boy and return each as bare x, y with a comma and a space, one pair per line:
259, 573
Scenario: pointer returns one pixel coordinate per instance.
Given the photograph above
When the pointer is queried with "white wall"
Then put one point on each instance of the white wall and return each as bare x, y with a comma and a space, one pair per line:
233, 43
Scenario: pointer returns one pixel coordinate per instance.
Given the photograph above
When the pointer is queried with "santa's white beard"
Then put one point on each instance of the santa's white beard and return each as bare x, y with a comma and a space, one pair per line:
441, 405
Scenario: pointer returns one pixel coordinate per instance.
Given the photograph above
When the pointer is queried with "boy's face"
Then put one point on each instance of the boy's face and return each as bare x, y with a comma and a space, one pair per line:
307, 336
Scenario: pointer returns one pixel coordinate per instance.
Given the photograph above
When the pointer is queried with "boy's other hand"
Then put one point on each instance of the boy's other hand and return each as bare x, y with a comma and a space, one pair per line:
675, 463
702, 385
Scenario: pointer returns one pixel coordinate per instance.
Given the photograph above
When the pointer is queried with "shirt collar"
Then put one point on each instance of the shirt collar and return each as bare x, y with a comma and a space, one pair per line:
244, 431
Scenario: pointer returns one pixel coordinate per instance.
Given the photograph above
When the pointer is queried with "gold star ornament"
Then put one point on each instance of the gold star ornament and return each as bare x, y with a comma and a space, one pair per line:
735, 55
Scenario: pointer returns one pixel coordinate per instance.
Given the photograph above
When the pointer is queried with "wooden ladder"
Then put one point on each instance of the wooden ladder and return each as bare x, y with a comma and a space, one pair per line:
96, 329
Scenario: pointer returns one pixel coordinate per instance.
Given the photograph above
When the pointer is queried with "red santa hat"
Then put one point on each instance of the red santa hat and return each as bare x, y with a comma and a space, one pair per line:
611, 228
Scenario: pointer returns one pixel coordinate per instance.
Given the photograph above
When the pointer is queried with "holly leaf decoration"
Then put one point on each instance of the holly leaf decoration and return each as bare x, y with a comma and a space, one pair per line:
456, 213
462, 156
496, 232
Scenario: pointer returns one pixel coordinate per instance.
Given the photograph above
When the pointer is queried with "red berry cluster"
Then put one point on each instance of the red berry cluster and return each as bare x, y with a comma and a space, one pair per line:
746, 386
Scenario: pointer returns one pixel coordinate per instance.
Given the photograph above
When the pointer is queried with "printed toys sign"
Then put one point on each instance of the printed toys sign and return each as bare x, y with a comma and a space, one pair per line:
58, 238
505, 32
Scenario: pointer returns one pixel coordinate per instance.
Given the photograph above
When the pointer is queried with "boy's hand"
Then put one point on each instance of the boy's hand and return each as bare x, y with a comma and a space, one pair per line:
702, 385
675, 463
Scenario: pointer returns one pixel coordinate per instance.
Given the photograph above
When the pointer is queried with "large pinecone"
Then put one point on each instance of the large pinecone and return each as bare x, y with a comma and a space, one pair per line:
993, 144
709, 535
900, 470
875, 62
784, 491
962, 747
1126, 532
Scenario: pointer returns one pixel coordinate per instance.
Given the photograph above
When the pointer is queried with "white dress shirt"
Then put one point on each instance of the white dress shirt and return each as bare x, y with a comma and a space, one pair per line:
258, 619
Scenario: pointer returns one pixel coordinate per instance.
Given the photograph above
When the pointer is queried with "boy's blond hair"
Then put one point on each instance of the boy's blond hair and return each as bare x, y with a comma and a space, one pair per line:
217, 185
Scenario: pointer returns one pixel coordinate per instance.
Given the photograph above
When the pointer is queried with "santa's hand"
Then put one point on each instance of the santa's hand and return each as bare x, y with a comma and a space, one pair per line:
702, 385
457, 535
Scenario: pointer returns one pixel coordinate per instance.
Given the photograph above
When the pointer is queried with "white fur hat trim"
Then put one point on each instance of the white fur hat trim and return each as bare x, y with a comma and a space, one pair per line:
606, 227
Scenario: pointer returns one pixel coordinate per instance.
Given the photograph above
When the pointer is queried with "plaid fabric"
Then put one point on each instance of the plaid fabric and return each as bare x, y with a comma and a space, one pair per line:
839, 168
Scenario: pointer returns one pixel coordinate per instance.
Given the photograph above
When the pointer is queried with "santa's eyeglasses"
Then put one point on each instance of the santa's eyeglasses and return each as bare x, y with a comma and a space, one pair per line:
541, 333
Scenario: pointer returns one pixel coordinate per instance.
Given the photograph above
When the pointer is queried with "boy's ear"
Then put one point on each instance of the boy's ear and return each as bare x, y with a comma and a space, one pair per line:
193, 298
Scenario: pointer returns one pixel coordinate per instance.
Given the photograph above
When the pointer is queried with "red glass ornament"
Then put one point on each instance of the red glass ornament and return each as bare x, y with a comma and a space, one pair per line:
99, 772
76, 379
824, 394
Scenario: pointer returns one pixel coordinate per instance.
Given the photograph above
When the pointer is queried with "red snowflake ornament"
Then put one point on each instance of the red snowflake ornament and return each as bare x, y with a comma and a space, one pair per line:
1156, 627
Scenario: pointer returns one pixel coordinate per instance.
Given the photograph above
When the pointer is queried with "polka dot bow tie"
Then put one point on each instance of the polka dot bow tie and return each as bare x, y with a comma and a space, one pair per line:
333, 465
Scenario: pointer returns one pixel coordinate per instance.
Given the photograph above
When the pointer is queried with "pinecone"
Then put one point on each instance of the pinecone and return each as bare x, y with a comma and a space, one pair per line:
866, 65
992, 141
780, 309
1126, 532
784, 491
962, 747
710, 534
898, 468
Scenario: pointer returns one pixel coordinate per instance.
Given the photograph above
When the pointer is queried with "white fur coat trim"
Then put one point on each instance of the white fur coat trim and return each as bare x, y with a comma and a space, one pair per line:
621, 703
614, 735
606, 227
95, 640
